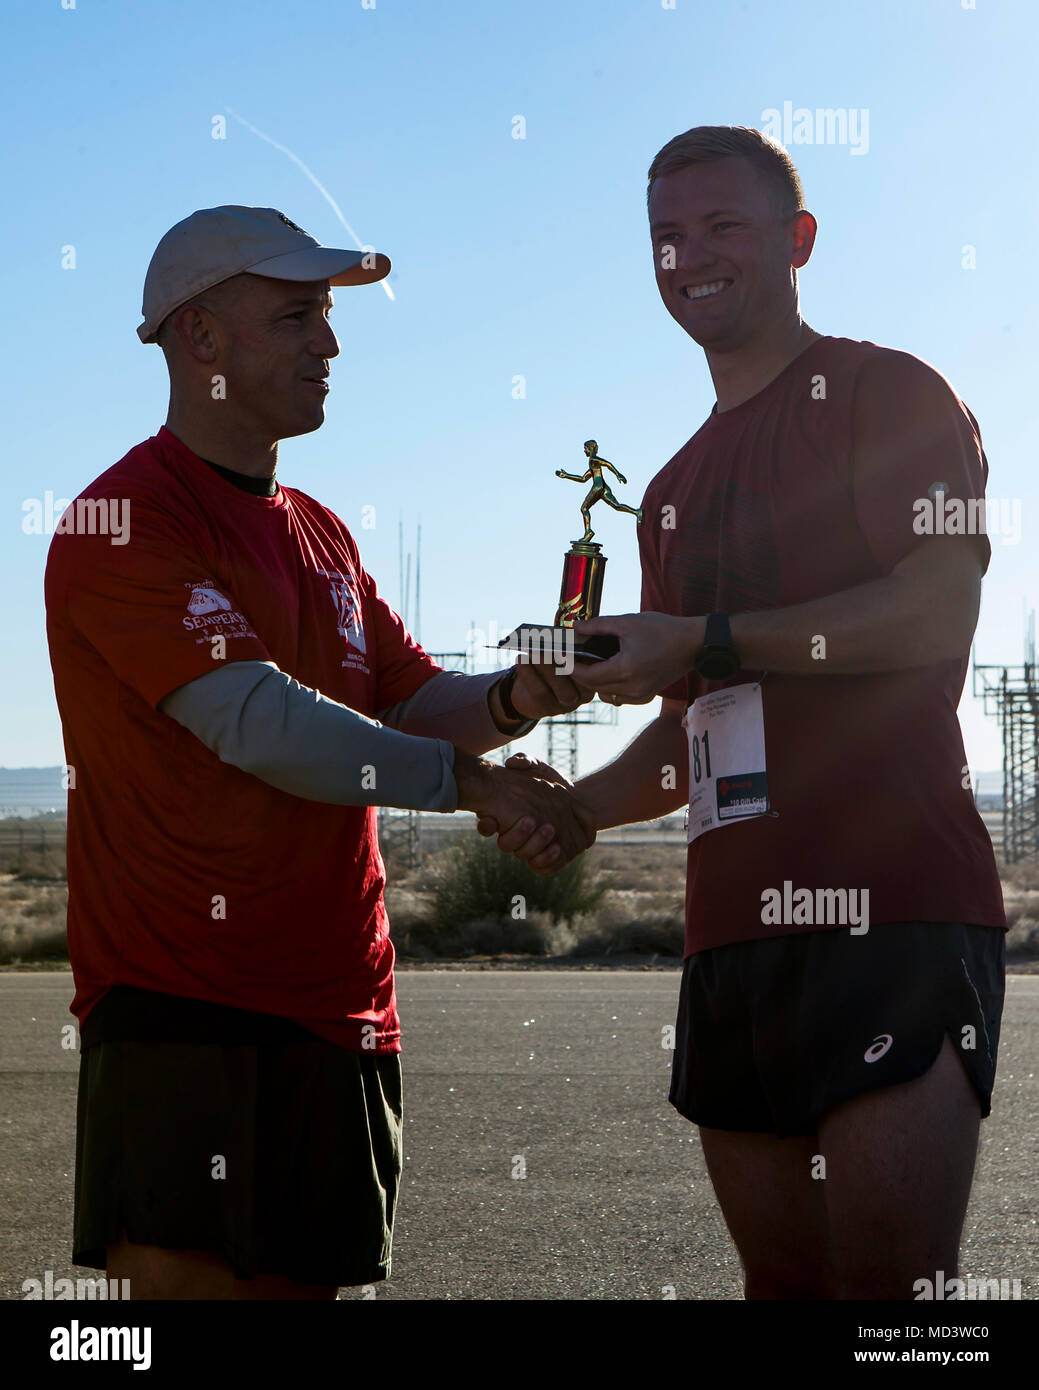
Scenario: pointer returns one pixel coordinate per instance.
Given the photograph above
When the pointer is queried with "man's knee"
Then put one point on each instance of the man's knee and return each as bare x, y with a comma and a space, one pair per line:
158, 1272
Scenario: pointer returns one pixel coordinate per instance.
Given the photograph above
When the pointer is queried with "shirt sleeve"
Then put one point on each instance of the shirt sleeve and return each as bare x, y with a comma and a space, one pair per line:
261, 720
149, 606
653, 600
401, 665
918, 467
452, 705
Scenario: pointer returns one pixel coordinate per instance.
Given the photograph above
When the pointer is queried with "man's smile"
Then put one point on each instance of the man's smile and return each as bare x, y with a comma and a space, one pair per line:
707, 291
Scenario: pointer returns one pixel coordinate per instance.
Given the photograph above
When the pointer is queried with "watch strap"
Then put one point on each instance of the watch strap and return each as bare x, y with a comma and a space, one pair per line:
505, 696
717, 659
717, 632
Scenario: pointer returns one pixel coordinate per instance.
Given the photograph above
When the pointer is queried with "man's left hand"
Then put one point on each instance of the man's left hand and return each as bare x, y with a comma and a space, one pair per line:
539, 691
514, 839
656, 650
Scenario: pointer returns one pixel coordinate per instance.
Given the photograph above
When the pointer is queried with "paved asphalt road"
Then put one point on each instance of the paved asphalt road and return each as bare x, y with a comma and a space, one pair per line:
562, 1069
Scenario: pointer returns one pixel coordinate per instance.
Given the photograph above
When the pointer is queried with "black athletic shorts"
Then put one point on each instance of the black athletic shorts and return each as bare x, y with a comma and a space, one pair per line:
284, 1158
772, 1034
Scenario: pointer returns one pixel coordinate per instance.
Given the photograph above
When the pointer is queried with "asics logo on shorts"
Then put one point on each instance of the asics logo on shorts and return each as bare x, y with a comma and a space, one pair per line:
877, 1048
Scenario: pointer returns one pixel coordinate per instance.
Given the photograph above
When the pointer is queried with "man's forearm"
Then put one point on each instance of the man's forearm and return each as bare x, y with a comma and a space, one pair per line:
465, 710
889, 624
649, 779
923, 612
262, 721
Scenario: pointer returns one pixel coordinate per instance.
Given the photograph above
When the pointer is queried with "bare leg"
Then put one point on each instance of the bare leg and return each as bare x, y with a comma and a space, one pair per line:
155, 1272
899, 1167
775, 1211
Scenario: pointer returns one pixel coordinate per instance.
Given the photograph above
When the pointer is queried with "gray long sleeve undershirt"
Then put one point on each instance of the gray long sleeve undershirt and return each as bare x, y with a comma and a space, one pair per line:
259, 719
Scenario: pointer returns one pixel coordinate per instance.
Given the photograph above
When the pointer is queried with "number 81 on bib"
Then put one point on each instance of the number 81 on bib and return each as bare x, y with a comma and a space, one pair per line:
728, 778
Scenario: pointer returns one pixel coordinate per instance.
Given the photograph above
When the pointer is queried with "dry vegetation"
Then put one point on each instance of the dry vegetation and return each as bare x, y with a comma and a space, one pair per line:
1021, 900
32, 920
640, 912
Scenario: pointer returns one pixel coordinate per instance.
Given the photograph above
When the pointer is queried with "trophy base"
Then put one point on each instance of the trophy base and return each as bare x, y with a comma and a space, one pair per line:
554, 647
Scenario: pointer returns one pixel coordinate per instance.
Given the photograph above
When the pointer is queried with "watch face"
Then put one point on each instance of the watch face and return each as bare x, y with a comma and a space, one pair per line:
717, 633
716, 663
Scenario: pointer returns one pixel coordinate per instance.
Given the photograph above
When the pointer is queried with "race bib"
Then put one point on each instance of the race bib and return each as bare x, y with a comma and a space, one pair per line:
727, 773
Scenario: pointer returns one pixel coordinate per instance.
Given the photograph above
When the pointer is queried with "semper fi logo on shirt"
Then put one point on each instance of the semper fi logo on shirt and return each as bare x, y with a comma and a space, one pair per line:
346, 601
211, 613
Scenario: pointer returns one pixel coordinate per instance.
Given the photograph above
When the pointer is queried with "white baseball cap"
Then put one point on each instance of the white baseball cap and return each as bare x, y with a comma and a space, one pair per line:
215, 243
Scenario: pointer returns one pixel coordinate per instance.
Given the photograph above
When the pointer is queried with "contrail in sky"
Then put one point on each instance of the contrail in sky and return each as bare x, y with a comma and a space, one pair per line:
314, 180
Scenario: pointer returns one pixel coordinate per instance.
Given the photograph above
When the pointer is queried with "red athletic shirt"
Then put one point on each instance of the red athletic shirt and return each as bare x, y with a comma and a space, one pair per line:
804, 490
186, 875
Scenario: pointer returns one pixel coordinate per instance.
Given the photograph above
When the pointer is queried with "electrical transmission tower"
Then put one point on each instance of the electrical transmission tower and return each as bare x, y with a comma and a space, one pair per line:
562, 734
1011, 695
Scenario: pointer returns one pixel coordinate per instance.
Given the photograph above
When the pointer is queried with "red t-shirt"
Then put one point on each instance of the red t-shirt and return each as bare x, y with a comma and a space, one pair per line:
186, 875
804, 490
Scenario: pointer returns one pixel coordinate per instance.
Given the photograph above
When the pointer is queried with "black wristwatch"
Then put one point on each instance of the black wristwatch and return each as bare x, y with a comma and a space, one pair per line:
717, 658
505, 696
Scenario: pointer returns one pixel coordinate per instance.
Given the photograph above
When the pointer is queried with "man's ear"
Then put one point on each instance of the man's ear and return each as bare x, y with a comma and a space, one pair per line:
192, 327
803, 233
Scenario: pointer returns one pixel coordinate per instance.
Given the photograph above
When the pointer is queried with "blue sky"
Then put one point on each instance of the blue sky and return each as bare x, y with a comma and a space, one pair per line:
512, 257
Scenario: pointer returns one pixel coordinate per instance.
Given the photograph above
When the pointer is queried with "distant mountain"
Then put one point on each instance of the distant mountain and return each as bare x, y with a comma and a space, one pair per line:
31, 791
34, 791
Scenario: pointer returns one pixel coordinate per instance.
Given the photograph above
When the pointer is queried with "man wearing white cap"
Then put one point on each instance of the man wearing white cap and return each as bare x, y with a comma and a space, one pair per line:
236, 699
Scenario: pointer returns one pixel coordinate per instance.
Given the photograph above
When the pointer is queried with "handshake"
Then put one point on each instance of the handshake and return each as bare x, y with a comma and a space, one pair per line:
534, 811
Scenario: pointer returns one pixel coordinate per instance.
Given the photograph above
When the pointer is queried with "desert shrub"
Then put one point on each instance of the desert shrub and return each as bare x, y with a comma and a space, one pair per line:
639, 938
32, 922
1023, 936
475, 881
538, 934
1022, 876
22, 941
641, 868
35, 864
633, 924
33, 848
405, 907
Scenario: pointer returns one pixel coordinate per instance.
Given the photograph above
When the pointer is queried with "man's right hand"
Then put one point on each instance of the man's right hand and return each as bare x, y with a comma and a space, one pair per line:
539, 821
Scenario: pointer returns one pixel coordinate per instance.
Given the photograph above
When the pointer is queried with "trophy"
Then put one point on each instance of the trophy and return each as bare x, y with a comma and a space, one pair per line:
583, 567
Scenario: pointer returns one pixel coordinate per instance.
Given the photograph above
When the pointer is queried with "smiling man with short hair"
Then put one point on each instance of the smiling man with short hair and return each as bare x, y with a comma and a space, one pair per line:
843, 983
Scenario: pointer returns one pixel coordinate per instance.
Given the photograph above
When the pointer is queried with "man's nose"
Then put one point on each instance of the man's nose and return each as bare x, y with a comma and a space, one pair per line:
692, 254
326, 344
